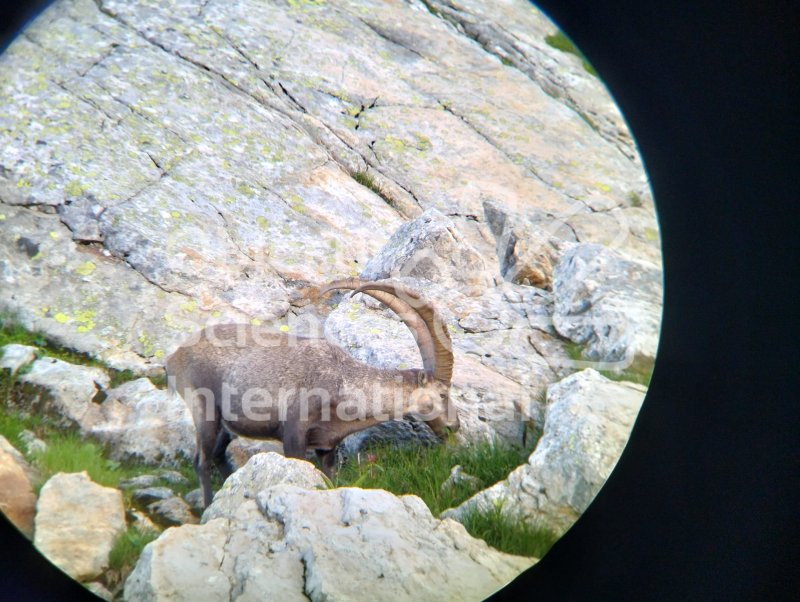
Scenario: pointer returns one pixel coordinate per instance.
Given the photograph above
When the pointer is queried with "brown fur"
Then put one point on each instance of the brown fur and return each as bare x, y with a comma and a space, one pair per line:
249, 357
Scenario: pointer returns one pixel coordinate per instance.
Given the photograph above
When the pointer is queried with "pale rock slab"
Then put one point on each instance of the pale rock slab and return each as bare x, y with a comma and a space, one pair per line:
77, 523
71, 390
143, 423
587, 425
194, 164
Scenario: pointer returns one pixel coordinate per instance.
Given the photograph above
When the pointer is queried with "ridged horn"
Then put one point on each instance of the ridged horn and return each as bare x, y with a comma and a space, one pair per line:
442, 346
408, 314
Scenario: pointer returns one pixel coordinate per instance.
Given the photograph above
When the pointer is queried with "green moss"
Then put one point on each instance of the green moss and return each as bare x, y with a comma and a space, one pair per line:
561, 42
11, 331
639, 371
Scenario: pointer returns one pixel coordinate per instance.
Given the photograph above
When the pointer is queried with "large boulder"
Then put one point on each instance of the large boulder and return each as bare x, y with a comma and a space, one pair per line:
608, 302
77, 523
143, 423
587, 424
289, 542
430, 247
17, 500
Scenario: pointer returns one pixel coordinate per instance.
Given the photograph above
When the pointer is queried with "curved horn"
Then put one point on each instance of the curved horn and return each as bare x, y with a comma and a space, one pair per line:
408, 314
442, 346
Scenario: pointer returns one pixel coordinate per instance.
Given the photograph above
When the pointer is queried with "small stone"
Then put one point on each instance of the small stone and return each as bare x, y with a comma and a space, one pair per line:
459, 477
141, 481
144, 497
195, 500
171, 512
173, 477
33, 445
17, 356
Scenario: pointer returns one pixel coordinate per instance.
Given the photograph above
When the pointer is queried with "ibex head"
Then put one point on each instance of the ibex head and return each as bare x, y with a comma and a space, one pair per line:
430, 401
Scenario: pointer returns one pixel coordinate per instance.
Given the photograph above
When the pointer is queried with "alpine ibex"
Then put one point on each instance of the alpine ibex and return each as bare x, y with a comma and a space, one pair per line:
228, 371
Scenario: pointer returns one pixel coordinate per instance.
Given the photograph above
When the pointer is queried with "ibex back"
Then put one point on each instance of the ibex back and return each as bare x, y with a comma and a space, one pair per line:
254, 382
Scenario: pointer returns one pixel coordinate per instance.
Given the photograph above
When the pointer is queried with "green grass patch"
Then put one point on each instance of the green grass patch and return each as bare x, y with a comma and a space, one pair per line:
421, 471
68, 452
634, 199
509, 534
561, 42
128, 548
12, 424
366, 180
639, 371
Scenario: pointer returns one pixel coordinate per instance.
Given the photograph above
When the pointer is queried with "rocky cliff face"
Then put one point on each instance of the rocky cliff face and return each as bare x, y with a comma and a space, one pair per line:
201, 160
165, 165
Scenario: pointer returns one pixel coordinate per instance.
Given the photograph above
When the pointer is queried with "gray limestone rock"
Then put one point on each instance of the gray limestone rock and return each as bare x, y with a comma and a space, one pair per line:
142, 498
171, 512
608, 302
261, 471
71, 390
142, 481
293, 543
431, 248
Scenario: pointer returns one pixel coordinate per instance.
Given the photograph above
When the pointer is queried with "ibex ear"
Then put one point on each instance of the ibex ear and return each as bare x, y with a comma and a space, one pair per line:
422, 378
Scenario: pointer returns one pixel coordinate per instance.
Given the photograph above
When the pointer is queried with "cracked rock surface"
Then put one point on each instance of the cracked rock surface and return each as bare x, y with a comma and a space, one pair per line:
191, 161
273, 535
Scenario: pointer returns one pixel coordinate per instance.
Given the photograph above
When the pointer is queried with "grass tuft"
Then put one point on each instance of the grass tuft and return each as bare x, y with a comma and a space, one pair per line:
421, 471
128, 548
67, 452
509, 534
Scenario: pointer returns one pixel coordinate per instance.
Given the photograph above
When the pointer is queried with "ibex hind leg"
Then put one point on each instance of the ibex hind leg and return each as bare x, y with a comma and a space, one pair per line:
327, 461
206, 443
218, 454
